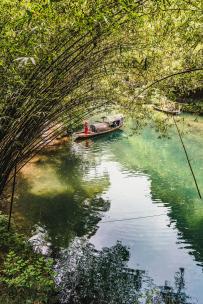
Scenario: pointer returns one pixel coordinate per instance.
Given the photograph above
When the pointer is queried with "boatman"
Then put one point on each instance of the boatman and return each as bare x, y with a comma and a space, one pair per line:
86, 129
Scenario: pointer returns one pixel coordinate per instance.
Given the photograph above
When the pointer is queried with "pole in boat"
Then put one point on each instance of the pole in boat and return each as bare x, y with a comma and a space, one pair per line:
188, 160
12, 196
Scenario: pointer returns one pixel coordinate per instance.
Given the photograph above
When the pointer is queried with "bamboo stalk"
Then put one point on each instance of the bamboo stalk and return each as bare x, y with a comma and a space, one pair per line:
188, 160
12, 196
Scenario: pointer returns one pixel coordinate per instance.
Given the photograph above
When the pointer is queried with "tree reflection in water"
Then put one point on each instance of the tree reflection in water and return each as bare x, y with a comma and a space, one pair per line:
57, 194
88, 276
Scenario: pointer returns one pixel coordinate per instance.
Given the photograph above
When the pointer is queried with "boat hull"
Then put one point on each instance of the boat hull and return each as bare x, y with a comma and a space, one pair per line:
82, 135
175, 112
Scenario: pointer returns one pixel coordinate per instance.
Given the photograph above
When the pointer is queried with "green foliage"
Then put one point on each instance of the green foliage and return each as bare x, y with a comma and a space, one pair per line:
63, 60
25, 276
196, 108
10, 239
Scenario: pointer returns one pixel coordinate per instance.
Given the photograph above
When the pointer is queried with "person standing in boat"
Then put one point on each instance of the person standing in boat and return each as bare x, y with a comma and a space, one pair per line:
86, 128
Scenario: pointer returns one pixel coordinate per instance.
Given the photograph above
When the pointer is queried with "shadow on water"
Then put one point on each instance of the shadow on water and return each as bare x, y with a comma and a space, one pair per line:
56, 194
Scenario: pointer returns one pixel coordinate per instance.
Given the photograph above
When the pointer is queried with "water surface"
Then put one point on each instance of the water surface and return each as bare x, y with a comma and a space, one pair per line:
136, 188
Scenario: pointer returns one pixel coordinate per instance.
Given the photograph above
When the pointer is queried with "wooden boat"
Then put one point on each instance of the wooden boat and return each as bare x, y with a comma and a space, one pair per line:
109, 124
167, 111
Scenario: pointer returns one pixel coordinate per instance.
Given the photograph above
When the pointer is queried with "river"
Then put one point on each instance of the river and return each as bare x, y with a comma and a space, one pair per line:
135, 188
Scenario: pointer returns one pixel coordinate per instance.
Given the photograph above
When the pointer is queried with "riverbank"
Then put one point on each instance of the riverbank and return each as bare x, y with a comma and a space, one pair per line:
192, 108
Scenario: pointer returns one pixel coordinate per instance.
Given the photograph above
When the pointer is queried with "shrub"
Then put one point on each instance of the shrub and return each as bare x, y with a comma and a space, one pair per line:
25, 276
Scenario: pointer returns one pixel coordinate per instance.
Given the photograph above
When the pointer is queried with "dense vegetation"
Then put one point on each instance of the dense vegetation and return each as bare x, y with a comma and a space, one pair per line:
61, 60
25, 276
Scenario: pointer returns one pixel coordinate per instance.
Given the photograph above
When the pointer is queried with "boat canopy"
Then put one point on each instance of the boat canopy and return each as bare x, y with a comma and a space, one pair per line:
111, 119
99, 127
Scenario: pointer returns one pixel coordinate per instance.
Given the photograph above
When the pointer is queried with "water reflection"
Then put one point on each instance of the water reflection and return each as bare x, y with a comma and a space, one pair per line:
86, 275
171, 180
56, 193
117, 176
90, 276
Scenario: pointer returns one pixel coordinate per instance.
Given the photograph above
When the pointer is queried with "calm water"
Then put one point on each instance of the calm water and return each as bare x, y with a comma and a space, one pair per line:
99, 189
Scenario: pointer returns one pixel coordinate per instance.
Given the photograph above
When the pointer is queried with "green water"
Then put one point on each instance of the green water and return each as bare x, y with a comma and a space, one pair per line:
96, 188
